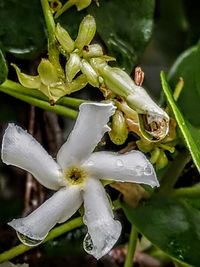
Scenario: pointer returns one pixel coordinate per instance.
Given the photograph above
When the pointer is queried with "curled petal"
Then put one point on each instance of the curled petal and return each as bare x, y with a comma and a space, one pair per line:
103, 230
47, 72
61, 206
20, 149
90, 126
130, 167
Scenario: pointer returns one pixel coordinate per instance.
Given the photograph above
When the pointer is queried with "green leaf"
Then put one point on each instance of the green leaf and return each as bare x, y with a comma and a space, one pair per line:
172, 225
3, 68
125, 27
190, 134
187, 66
21, 28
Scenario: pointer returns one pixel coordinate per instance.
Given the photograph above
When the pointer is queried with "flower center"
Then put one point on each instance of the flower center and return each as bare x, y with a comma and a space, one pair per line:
75, 175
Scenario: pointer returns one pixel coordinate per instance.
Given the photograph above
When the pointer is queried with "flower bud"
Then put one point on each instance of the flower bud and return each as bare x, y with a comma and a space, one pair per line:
47, 72
162, 161
90, 73
119, 131
94, 50
27, 80
64, 39
86, 32
72, 66
81, 4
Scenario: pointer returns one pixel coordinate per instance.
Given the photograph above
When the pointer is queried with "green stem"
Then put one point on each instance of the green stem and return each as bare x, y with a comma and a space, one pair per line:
58, 109
66, 6
18, 88
49, 20
20, 249
189, 192
174, 171
131, 247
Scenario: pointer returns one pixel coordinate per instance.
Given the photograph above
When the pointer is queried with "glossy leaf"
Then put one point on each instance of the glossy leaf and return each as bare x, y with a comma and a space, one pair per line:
187, 66
3, 68
125, 27
21, 27
190, 134
172, 225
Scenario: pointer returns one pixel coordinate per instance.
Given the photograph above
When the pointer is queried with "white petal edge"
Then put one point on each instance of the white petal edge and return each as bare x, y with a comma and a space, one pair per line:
58, 208
129, 167
103, 230
20, 149
89, 128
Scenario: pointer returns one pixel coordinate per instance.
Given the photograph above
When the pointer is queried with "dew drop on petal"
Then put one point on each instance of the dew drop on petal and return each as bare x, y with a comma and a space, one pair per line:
148, 170
119, 163
28, 241
87, 243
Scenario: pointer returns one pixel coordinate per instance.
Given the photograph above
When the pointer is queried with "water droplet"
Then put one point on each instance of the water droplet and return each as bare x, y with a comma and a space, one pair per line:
120, 163
90, 163
147, 170
87, 243
29, 241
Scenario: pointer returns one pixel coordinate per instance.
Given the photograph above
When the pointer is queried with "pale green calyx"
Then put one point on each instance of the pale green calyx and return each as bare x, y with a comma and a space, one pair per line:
87, 30
119, 131
64, 39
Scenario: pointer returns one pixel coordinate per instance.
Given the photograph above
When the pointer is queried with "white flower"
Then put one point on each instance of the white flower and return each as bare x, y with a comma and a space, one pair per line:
76, 177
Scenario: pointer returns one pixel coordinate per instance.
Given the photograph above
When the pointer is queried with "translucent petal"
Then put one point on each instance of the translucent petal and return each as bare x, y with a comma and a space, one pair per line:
90, 126
20, 149
129, 167
61, 206
103, 230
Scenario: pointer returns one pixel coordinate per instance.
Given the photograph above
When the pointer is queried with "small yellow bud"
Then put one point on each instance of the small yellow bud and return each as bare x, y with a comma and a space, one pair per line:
119, 131
64, 39
86, 32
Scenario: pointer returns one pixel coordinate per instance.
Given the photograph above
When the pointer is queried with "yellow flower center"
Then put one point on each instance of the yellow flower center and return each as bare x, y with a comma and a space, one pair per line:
75, 175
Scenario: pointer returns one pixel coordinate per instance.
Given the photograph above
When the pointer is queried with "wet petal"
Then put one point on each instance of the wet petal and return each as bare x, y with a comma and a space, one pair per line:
90, 126
103, 230
20, 149
61, 206
130, 167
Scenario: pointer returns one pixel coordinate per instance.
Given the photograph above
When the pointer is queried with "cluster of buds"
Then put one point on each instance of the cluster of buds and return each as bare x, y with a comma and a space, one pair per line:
86, 63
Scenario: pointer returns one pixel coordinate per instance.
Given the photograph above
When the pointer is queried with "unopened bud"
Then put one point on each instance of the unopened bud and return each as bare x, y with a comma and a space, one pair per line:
81, 4
64, 39
72, 66
27, 80
94, 50
90, 73
119, 131
86, 32
162, 161
47, 72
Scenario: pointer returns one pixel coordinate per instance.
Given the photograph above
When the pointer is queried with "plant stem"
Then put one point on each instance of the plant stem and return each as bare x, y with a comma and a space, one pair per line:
174, 171
20, 249
58, 109
49, 20
189, 192
18, 88
131, 247
66, 6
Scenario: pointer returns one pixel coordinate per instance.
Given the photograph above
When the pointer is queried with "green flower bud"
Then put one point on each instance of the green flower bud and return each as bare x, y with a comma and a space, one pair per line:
162, 161
90, 73
86, 32
72, 66
81, 4
119, 131
47, 72
94, 50
155, 154
64, 39
27, 80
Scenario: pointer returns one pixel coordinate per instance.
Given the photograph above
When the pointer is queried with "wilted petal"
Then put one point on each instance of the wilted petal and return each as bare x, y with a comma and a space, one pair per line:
20, 149
103, 230
130, 167
61, 206
90, 126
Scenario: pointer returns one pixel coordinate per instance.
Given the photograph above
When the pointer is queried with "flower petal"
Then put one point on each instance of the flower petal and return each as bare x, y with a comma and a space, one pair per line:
61, 206
103, 230
130, 167
20, 149
90, 126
